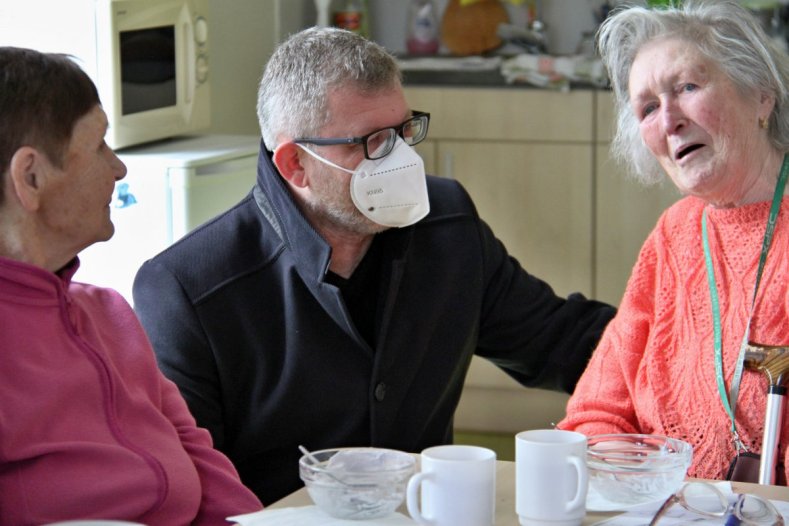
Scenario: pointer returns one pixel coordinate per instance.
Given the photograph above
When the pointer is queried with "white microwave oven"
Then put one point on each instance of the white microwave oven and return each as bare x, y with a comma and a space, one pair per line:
148, 58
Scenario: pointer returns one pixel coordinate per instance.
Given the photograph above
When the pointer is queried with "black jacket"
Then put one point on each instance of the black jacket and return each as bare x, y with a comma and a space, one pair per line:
267, 357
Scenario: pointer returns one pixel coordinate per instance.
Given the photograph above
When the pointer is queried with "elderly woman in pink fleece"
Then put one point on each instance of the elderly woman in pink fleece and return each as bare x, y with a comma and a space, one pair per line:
89, 427
701, 95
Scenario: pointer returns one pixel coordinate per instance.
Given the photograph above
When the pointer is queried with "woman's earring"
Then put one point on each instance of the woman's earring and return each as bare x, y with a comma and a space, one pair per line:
764, 123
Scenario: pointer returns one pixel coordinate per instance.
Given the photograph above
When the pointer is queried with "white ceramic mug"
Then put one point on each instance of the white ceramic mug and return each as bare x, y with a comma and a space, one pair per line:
550, 477
458, 486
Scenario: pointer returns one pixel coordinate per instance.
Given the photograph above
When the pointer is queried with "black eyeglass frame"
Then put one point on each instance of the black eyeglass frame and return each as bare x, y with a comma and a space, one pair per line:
332, 141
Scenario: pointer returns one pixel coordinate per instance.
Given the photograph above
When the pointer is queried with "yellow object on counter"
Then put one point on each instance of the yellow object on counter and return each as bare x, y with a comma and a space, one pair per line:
472, 29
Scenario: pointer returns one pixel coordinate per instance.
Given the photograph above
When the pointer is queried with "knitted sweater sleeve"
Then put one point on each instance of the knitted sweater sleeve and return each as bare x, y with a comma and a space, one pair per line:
604, 399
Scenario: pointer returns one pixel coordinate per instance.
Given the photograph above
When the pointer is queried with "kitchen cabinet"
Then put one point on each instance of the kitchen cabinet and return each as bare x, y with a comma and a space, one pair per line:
625, 211
527, 163
541, 214
536, 164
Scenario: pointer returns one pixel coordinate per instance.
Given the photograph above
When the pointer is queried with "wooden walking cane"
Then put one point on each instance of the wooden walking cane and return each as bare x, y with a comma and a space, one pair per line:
773, 362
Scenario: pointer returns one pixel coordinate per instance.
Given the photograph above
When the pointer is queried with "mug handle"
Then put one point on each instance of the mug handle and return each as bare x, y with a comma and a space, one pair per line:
412, 497
580, 495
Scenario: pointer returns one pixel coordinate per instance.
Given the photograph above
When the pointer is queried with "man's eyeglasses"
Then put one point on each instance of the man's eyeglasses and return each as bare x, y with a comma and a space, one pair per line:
380, 143
707, 500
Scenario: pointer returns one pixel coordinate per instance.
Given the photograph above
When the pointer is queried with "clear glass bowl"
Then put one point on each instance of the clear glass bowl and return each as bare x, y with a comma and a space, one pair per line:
631, 469
357, 483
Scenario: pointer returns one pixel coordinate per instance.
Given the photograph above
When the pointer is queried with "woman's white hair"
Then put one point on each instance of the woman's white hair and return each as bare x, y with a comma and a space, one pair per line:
724, 32
297, 80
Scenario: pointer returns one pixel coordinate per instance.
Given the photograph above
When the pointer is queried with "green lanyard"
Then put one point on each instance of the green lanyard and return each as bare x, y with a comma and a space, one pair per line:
730, 401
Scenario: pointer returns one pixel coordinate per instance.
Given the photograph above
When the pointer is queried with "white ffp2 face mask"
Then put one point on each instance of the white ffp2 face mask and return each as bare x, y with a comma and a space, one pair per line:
391, 191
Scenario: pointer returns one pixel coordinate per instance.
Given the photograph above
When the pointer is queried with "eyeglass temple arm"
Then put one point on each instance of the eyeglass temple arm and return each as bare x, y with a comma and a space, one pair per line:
663, 509
324, 141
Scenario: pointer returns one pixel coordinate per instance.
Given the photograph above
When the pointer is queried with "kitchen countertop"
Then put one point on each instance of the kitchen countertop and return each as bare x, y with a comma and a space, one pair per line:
506, 492
476, 79
469, 72
458, 78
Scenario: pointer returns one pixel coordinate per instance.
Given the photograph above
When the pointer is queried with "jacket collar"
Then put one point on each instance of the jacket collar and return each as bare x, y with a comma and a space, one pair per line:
312, 253
276, 203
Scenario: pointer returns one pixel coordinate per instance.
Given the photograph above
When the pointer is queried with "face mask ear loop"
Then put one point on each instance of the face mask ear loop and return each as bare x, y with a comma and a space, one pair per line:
321, 159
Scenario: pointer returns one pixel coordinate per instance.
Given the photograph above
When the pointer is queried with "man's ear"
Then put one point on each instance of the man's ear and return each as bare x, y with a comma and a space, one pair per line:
287, 159
27, 173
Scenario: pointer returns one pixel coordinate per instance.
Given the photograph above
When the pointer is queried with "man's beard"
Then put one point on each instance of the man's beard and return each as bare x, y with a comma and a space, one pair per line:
330, 201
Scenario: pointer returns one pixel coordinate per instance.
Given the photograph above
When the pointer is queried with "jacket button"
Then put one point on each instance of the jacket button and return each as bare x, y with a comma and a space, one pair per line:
380, 392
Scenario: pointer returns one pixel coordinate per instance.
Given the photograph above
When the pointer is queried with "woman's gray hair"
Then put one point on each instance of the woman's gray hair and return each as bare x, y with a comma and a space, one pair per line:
296, 83
724, 32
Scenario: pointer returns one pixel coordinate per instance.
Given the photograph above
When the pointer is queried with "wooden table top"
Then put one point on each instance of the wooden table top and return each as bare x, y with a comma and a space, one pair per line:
505, 497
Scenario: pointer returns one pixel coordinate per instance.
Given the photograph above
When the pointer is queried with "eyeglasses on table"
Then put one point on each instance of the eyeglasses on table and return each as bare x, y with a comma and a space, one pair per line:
705, 499
379, 143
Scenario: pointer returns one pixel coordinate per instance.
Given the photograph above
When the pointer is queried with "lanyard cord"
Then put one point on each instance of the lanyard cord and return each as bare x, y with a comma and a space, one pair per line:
730, 401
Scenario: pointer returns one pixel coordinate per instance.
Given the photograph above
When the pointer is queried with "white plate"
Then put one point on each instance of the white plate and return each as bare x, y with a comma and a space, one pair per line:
596, 502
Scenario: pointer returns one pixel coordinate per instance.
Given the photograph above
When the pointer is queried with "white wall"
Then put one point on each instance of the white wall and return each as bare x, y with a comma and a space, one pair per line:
243, 34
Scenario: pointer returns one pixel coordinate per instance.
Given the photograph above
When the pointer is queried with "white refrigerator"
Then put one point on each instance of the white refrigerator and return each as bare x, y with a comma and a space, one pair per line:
170, 188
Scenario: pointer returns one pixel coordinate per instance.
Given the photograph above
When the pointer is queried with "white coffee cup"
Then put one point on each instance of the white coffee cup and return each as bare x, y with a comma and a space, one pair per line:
458, 486
550, 477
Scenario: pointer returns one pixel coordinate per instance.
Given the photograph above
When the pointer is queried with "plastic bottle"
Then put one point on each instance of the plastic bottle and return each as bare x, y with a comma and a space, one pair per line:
422, 34
322, 9
351, 15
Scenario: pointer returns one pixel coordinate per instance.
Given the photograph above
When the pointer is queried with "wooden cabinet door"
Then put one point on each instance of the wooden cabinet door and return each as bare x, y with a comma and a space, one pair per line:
625, 211
506, 114
537, 198
427, 151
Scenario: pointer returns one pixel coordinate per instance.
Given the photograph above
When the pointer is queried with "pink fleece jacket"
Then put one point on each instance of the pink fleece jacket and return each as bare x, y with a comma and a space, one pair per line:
89, 427
654, 372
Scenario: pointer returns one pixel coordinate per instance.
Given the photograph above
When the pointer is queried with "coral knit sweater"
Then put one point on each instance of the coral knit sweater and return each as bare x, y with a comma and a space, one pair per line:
654, 371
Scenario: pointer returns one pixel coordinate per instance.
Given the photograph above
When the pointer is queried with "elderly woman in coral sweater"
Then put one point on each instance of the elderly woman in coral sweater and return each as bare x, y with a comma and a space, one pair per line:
701, 94
89, 426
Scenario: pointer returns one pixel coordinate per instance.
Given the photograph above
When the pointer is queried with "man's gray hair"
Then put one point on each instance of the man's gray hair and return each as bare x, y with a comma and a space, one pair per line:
724, 32
302, 72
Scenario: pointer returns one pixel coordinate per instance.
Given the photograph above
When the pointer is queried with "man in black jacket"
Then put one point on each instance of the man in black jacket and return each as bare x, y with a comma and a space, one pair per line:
340, 303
